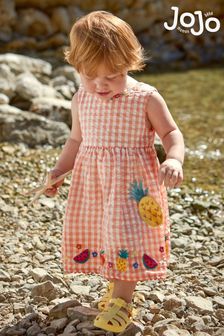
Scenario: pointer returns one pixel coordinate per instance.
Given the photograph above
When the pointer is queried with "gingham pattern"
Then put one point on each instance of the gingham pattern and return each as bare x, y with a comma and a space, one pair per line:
100, 217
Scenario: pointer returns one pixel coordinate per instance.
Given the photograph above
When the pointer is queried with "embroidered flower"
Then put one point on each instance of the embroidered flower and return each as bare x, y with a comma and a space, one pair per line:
161, 249
135, 265
94, 254
110, 264
79, 246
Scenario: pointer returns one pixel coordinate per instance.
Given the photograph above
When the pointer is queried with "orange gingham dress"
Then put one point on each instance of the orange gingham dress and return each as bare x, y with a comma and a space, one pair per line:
103, 232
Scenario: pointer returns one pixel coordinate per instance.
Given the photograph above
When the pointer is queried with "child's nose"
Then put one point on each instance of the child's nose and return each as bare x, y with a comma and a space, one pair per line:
100, 82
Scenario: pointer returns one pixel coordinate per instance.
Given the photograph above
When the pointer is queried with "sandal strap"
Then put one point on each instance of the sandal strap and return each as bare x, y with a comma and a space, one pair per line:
122, 304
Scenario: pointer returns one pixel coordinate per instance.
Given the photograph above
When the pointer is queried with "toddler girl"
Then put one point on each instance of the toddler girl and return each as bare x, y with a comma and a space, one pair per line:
116, 220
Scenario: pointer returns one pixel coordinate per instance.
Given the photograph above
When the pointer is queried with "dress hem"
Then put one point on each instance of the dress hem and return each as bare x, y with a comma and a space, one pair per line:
150, 276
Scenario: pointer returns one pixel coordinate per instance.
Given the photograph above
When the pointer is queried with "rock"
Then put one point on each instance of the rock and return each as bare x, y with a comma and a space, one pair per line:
81, 290
60, 310
156, 296
69, 73
82, 313
219, 301
3, 99
220, 314
133, 329
201, 333
203, 306
7, 80
85, 325
180, 242
166, 324
71, 327
59, 324
34, 330
172, 331
38, 274
33, 22
52, 108
4, 276
194, 323
172, 302
46, 289
26, 127
19, 64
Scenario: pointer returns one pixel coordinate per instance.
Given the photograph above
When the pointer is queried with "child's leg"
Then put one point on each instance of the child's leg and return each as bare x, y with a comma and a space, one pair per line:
124, 289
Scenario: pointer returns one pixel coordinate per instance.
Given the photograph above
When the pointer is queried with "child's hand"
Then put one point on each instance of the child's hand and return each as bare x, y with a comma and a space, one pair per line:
52, 191
171, 173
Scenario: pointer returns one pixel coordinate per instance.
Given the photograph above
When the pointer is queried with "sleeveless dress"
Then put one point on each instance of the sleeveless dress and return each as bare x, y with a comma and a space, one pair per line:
116, 221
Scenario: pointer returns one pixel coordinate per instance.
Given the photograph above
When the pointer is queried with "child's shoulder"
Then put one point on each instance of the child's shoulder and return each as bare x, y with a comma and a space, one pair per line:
140, 86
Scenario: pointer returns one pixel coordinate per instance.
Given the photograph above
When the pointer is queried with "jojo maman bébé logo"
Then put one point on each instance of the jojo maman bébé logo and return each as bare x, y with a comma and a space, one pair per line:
187, 21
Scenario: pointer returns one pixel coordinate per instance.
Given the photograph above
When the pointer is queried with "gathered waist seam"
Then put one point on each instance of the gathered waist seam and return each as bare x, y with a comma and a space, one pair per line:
116, 147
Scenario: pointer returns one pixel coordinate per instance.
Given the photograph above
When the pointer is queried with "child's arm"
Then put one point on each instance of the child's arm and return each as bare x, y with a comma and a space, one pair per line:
67, 157
68, 154
162, 121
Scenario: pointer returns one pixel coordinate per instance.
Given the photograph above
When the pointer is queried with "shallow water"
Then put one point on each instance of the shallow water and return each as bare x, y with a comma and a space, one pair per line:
196, 100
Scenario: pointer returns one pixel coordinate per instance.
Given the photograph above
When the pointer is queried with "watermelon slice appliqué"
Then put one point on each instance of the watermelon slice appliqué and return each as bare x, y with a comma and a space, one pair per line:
82, 257
149, 262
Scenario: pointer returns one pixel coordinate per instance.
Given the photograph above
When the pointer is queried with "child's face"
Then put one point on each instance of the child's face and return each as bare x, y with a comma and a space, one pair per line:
105, 84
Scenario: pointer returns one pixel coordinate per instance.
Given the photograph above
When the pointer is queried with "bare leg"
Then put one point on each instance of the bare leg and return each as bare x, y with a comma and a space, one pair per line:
124, 289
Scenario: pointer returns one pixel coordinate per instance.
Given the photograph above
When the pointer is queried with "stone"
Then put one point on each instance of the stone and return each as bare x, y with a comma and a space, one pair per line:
52, 108
220, 314
38, 274
172, 331
201, 333
34, 330
71, 327
219, 301
59, 324
46, 289
4, 276
20, 64
82, 313
134, 329
60, 310
81, 290
156, 296
28, 128
166, 324
4, 99
203, 306
172, 302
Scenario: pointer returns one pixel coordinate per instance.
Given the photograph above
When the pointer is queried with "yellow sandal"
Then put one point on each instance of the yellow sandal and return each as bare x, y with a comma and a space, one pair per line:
114, 318
103, 303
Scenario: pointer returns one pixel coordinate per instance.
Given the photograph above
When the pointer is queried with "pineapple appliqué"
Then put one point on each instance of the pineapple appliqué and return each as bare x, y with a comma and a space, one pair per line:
121, 261
149, 209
